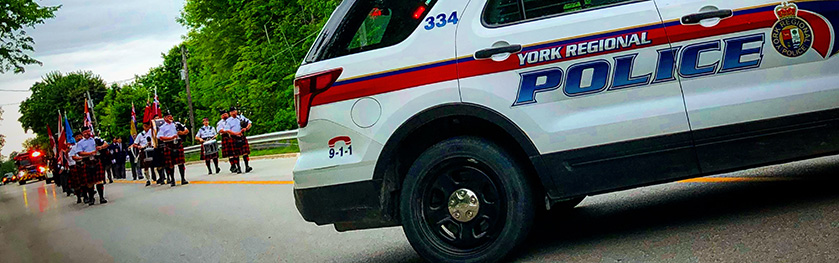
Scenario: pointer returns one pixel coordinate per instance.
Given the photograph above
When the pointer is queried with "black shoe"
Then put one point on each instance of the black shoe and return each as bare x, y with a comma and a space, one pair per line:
79, 201
209, 172
232, 169
102, 201
184, 182
141, 178
248, 169
218, 170
148, 183
238, 171
172, 184
111, 181
92, 201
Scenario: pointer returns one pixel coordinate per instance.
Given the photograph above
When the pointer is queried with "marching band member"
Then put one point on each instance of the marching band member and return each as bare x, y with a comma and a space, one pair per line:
206, 133
94, 172
168, 134
141, 143
76, 170
226, 141
237, 126
180, 159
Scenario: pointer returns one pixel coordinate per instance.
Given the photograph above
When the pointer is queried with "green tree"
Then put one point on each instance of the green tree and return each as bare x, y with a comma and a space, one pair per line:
55, 92
15, 16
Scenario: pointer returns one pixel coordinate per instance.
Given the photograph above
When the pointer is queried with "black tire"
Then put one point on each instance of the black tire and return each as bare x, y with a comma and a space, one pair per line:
21, 182
49, 181
506, 211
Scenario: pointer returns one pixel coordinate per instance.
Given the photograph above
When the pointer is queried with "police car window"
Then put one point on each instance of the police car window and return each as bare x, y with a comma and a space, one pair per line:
499, 12
363, 25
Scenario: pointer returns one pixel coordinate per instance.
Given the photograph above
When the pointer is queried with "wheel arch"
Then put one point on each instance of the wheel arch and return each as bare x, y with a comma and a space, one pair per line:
439, 123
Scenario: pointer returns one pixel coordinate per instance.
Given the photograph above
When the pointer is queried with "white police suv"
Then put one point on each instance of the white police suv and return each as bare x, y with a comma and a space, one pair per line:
459, 119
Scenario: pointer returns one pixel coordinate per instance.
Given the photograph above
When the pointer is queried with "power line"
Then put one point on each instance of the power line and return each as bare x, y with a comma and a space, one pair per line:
15, 90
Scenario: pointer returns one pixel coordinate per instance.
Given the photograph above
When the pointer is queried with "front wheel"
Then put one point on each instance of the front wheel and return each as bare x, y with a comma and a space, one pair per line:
466, 200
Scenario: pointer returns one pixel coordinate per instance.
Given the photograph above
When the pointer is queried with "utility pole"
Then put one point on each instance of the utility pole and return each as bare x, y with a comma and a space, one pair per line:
188, 94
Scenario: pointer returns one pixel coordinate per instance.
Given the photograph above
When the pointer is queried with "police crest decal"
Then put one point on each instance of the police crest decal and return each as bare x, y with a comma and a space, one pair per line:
791, 35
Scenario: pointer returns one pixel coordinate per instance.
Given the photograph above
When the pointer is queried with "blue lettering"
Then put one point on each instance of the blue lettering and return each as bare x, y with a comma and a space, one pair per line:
734, 53
623, 73
689, 66
551, 78
666, 68
599, 78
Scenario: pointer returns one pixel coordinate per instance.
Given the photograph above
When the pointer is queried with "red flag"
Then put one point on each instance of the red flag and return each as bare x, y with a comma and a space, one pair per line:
147, 117
87, 121
52, 141
62, 140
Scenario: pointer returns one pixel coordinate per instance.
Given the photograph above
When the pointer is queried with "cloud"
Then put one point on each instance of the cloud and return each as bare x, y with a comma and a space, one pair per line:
114, 39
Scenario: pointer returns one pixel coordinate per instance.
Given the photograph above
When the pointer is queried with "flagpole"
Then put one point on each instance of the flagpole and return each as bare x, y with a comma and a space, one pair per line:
93, 113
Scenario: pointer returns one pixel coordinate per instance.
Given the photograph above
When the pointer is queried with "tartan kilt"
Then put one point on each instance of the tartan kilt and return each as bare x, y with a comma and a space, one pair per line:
75, 177
173, 154
227, 146
245, 146
94, 172
208, 157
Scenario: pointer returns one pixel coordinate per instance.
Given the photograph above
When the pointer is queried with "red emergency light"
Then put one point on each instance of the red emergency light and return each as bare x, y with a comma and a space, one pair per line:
36, 154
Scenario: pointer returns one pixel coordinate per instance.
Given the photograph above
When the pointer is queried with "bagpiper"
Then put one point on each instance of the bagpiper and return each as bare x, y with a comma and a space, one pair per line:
207, 134
143, 144
237, 125
226, 140
172, 153
94, 172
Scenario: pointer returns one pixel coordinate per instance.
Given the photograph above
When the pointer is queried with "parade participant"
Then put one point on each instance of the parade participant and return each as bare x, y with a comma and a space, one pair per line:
226, 140
206, 133
77, 171
132, 159
106, 158
180, 159
237, 126
142, 143
168, 135
94, 172
117, 149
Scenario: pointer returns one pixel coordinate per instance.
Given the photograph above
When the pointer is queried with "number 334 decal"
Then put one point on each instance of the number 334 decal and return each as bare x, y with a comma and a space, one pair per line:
440, 20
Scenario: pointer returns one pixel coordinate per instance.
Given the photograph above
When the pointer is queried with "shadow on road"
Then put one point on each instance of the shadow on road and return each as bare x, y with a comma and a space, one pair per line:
690, 205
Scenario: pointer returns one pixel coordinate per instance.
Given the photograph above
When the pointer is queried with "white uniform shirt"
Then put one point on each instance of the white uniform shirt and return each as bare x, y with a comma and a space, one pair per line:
143, 138
72, 152
166, 130
235, 123
221, 125
85, 145
207, 132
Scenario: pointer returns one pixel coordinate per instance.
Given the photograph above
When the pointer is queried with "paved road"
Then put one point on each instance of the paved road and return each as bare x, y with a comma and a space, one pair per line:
787, 213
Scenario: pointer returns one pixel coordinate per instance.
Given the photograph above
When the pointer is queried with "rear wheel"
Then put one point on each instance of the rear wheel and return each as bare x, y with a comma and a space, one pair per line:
21, 182
466, 200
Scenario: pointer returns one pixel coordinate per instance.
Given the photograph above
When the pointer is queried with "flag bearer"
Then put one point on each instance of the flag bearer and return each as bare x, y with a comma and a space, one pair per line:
237, 126
168, 135
94, 172
206, 133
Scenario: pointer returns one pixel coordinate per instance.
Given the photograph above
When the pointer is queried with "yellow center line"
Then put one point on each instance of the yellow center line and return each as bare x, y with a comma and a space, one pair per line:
214, 182
737, 179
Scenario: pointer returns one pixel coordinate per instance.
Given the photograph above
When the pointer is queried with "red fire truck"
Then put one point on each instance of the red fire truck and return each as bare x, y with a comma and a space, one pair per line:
32, 165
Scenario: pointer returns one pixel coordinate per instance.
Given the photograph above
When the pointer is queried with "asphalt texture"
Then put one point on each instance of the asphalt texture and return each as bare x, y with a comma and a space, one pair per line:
783, 213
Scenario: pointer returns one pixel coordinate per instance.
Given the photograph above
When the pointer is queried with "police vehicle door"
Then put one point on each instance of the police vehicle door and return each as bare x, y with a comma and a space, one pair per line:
589, 81
758, 77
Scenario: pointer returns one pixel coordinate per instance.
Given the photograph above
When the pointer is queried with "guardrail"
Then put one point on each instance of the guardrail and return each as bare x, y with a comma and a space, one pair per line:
256, 139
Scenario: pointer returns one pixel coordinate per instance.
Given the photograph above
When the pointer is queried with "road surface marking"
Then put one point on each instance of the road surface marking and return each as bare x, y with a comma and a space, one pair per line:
212, 182
737, 179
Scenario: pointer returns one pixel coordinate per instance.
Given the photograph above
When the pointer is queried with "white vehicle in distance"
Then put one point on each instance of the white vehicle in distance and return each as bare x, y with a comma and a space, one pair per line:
459, 120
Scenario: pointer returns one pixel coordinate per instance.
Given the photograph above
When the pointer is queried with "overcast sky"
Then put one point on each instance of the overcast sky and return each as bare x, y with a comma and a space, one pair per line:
114, 39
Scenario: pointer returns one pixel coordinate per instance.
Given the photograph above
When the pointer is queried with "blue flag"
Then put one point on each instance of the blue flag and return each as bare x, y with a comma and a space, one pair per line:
69, 132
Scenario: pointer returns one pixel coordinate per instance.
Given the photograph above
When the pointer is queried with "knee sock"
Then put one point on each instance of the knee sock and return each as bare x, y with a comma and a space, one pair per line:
181, 169
162, 173
207, 162
171, 173
215, 161
91, 193
101, 189
246, 159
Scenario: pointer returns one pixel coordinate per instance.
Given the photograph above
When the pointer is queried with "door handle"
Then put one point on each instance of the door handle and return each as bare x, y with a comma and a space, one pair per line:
698, 17
489, 52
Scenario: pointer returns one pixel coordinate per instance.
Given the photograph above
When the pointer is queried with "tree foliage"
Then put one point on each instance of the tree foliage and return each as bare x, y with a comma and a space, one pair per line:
15, 16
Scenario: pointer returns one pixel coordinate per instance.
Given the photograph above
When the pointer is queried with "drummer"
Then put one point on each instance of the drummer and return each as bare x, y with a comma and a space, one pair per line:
207, 134
143, 143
